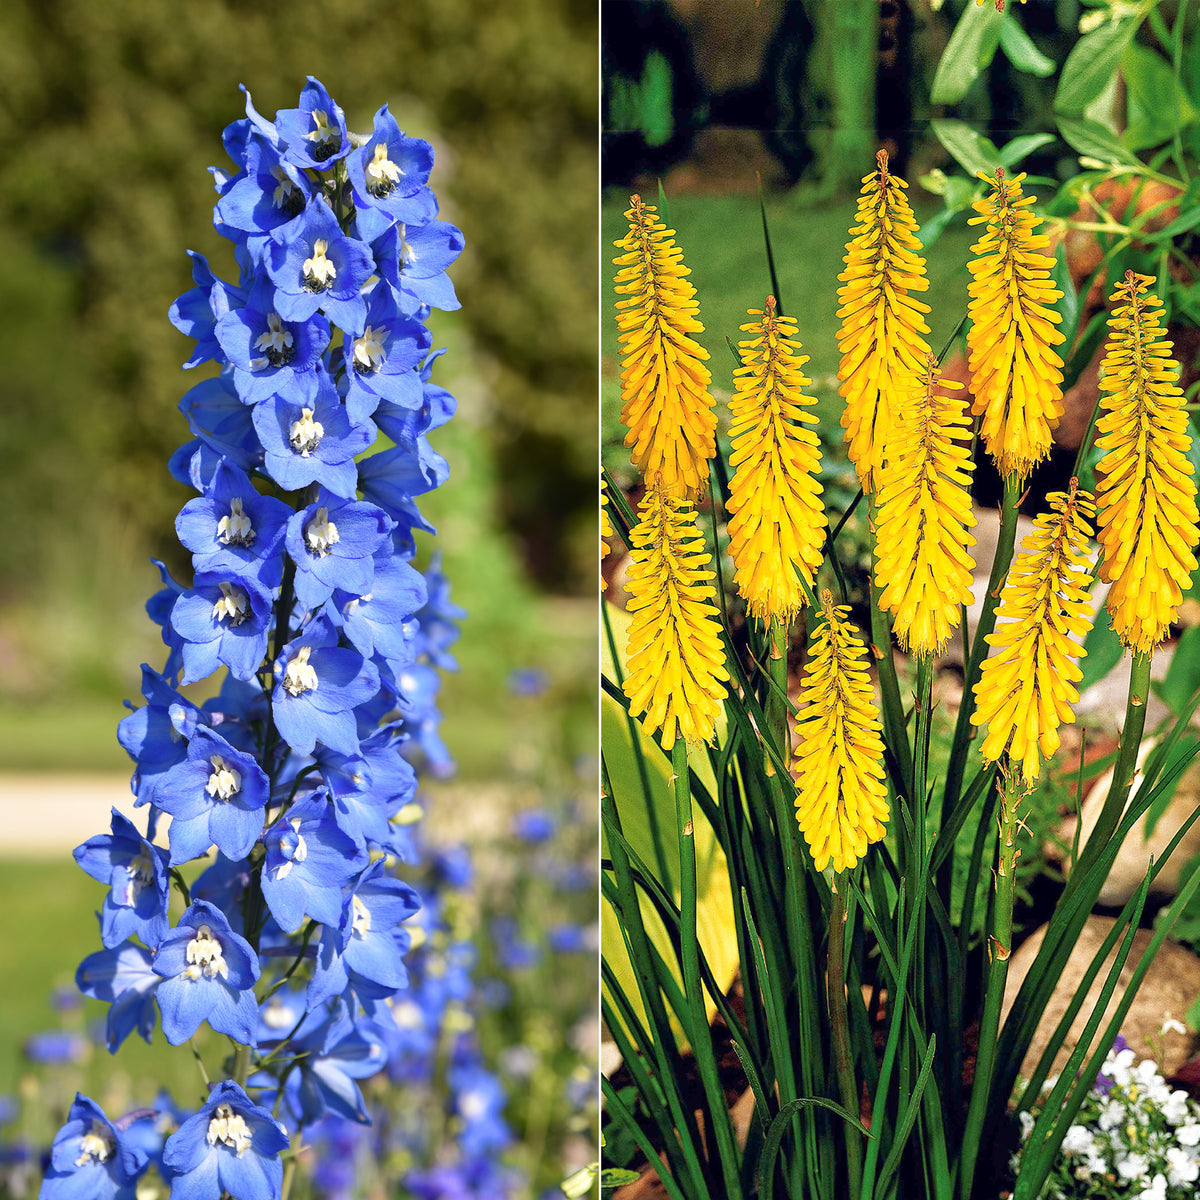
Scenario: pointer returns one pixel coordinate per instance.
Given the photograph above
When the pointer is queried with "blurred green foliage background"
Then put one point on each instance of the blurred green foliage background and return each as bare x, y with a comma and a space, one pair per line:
109, 116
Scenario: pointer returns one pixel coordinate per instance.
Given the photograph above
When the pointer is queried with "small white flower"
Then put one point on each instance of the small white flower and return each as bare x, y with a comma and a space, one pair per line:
1182, 1167
1027, 1123
1188, 1135
1156, 1189
1170, 1025
1133, 1167
1175, 1107
1112, 1115
1079, 1140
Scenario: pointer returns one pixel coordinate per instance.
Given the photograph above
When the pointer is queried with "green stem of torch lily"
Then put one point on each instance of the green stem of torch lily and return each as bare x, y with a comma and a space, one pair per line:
835, 975
693, 987
999, 950
1126, 766
987, 622
889, 686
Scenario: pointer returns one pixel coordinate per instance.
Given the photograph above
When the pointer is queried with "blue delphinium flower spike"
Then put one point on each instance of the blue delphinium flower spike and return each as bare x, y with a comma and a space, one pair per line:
231, 1145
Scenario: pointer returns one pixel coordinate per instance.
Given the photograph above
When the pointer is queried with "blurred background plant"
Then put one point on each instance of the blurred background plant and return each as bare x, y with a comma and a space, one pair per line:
106, 123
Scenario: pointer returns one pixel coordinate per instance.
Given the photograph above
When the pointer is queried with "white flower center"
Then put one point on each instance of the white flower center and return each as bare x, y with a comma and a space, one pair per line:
287, 195
204, 956
95, 1146
369, 350
319, 272
408, 255
362, 917
233, 605
325, 137
276, 342
382, 174
141, 873
298, 855
235, 529
230, 1129
407, 1015
321, 533
306, 434
299, 676
223, 781
278, 1015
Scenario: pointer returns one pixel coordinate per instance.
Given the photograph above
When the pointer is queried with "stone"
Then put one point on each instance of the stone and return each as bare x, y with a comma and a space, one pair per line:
1133, 858
1170, 986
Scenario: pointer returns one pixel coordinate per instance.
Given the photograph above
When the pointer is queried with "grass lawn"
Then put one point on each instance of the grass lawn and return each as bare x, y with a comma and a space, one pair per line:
722, 242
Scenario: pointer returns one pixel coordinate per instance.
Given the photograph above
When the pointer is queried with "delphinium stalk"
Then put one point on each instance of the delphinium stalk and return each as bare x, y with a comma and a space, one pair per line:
667, 407
1016, 374
922, 544
1146, 497
883, 328
777, 522
1027, 686
304, 595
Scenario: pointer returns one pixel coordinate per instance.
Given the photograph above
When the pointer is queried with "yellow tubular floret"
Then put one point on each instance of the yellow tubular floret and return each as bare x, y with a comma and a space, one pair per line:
777, 523
667, 407
606, 528
923, 564
1028, 683
1147, 490
1016, 376
880, 337
841, 796
675, 663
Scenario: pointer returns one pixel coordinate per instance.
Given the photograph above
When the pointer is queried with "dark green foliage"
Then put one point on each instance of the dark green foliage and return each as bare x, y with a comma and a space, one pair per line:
112, 113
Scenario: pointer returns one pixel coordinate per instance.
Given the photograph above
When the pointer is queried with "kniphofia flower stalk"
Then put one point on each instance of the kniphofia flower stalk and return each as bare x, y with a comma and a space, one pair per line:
777, 522
1146, 492
881, 337
1028, 683
1016, 375
675, 665
841, 796
923, 561
667, 407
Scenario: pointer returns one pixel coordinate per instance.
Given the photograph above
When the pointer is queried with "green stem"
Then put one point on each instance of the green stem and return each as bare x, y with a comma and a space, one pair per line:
963, 733
835, 975
776, 699
693, 987
889, 685
241, 1066
1126, 765
999, 949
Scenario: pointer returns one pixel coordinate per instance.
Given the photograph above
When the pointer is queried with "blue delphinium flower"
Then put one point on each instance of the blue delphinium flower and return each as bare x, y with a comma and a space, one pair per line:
139, 884
231, 1145
56, 1046
124, 978
217, 796
91, 1158
302, 594
208, 974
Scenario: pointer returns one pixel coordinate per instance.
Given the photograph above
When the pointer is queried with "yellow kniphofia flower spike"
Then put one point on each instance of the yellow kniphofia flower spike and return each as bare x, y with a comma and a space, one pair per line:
880, 337
1146, 491
606, 526
667, 407
841, 796
1028, 683
777, 526
675, 665
1016, 376
923, 565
